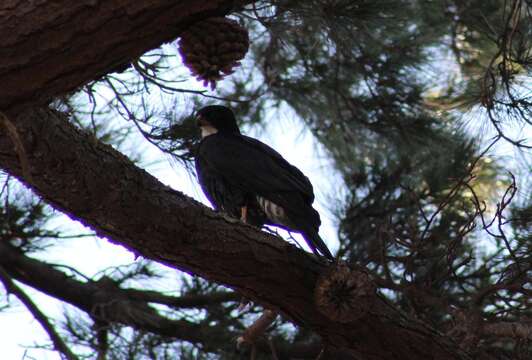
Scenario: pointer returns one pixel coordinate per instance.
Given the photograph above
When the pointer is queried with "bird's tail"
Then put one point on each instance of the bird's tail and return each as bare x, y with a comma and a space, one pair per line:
317, 245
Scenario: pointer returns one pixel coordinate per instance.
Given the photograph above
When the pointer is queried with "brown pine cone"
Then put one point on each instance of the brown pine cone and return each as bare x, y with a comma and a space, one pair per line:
212, 48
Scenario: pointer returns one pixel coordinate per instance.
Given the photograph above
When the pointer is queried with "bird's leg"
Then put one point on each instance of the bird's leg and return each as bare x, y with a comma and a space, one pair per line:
244, 214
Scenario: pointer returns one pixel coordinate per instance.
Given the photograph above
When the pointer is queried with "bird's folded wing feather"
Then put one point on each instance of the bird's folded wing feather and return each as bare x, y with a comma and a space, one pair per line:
254, 166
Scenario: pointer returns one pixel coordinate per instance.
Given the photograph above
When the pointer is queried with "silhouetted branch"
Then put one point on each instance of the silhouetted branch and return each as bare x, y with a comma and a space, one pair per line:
107, 303
12, 288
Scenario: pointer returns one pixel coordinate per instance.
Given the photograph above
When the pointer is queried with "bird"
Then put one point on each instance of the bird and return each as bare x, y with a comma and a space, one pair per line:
247, 179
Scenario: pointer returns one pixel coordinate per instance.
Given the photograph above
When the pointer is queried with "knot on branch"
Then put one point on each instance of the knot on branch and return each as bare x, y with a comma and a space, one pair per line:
343, 294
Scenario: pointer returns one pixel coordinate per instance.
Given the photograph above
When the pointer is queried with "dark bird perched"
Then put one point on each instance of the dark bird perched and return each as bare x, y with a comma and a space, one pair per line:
247, 179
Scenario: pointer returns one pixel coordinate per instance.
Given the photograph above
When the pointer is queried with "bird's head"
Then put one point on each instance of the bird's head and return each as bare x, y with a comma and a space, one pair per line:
216, 118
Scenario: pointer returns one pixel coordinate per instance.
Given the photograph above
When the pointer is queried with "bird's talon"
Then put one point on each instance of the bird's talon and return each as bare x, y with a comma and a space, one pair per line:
244, 214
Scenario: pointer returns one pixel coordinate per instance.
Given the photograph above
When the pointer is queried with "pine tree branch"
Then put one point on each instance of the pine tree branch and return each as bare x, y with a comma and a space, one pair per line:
108, 303
97, 185
12, 288
72, 43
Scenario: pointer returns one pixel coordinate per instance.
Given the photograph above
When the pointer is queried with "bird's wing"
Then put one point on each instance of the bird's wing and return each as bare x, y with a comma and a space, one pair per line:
215, 187
253, 166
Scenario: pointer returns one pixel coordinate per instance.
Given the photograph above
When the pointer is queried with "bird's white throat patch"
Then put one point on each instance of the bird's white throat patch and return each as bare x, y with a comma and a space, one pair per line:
207, 130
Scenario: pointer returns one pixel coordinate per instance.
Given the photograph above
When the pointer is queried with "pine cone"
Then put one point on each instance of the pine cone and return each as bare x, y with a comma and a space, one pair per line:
211, 49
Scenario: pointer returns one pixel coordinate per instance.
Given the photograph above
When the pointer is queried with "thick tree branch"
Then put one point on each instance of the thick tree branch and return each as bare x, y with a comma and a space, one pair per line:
94, 183
55, 283
11, 287
52, 48
106, 302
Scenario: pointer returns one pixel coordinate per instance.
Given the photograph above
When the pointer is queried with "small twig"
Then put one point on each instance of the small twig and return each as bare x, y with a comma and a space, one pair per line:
258, 328
159, 82
320, 355
443, 204
19, 147
506, 199
464, 181
5, 188
293, 240
479, 297
74, 270
12, 288
500, 132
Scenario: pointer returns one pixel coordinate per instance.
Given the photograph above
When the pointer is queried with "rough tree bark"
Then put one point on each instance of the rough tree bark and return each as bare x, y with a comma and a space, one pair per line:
51, 47
71, 44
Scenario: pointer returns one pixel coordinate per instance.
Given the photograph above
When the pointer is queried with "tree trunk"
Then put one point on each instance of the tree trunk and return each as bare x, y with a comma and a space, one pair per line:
72, 43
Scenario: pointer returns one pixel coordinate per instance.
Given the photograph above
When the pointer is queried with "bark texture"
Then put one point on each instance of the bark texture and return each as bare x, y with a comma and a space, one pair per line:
48, 48
98, 186
51, 47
